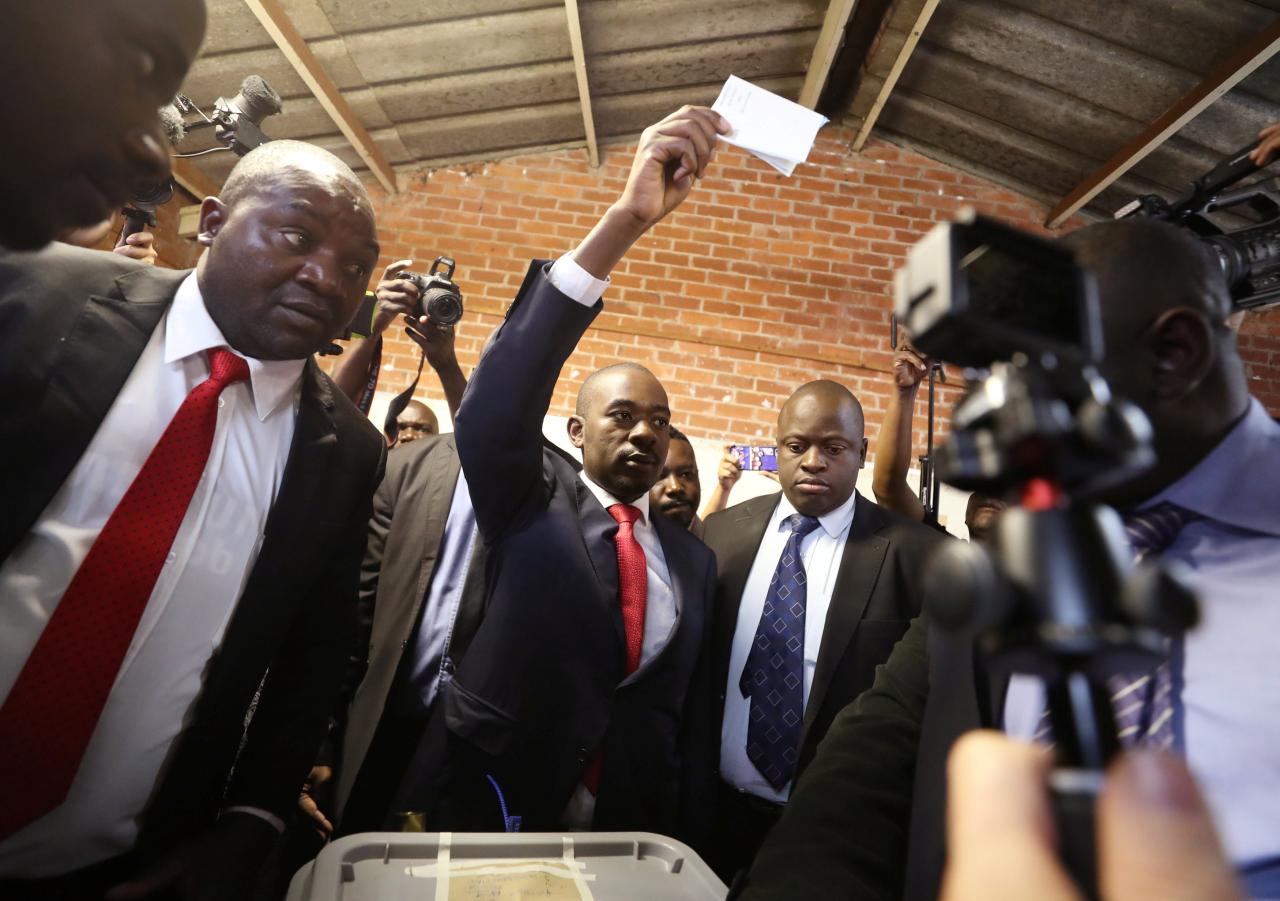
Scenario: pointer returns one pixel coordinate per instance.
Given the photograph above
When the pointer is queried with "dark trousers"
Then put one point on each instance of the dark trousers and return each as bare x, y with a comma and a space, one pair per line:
742, 822
377, 786
86, 884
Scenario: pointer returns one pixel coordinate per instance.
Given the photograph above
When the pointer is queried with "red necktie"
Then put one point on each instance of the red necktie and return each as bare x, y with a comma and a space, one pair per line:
633, 590
49, 716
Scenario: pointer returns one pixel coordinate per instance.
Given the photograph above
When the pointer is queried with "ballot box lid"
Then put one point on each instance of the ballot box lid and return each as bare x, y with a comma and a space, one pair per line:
582, 866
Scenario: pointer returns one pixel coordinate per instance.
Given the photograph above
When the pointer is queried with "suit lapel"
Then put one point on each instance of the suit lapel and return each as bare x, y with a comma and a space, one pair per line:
91, 365
860, 564
441, 480
598, 529
680, 572
748, 523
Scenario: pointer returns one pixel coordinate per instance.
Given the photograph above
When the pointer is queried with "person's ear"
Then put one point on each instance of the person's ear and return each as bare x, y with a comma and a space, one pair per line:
213, 215
862, 460
1182, 347
577, 434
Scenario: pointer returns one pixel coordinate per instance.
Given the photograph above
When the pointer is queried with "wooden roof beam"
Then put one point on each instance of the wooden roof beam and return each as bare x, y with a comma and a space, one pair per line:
193, 181
825, 51
895, 72
580, 70
294, 47
1230, 72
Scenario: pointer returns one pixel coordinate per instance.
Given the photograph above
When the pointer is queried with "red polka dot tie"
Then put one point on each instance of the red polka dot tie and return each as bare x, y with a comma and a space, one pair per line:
633, 591
49, 716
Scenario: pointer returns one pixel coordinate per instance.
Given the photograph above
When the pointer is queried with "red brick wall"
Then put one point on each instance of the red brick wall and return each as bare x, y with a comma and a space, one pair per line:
756, 285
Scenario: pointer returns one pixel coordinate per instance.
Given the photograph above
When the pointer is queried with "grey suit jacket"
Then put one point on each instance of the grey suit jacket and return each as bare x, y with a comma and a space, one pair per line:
398, 562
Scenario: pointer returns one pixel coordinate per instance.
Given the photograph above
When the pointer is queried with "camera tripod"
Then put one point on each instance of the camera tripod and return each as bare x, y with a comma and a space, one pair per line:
1057, 594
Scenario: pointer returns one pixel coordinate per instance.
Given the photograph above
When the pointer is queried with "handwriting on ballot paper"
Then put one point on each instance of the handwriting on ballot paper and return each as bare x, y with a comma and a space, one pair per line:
771, 127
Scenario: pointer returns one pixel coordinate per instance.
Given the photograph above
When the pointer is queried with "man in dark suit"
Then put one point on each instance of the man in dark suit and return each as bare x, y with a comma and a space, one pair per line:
867, 821
178, 569
818, 578
574, 707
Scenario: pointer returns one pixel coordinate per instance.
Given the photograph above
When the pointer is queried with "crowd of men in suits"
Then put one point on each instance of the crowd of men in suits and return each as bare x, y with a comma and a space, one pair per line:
227, 613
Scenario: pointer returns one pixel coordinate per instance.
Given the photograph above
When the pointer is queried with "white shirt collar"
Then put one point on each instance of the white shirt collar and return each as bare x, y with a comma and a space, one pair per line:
834, 523
1236, 483
189, 330
607, 500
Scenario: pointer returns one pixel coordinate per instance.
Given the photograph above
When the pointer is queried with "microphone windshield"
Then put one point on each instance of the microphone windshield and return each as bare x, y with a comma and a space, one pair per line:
175, 128
257, 100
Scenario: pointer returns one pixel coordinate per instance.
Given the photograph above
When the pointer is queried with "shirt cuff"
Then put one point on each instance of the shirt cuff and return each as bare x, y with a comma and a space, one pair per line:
574, 282
275, 821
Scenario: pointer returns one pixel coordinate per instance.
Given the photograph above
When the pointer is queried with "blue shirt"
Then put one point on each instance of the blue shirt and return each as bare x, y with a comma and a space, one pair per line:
428, 662
1231, 700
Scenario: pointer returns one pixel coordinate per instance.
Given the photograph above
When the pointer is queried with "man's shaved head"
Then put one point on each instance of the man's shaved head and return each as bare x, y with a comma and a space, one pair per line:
829, 394
821, 446
1164, 302
268, 163
621, 424
1144, 268
290, 246
590, 390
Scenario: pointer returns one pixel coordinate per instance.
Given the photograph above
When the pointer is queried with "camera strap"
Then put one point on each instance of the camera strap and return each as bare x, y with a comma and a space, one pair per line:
400, 401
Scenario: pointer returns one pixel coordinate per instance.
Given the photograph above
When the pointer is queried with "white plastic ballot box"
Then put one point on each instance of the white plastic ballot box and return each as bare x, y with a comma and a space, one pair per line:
582, 866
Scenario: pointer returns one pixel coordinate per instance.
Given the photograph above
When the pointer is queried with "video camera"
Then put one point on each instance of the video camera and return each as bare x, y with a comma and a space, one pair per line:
236, 124
1250, 256
1057, 594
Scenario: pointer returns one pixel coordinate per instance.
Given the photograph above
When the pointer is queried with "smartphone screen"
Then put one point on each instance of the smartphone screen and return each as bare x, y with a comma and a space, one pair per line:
756, 457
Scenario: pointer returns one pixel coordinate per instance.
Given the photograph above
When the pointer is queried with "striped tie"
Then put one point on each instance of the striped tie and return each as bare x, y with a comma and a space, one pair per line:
1143, 704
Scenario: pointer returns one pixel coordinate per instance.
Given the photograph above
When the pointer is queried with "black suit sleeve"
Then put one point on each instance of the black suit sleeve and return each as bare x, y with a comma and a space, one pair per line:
699, 735
844, 833
499, 424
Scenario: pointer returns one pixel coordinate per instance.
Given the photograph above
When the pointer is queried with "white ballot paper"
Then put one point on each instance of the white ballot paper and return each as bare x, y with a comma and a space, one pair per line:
771, 127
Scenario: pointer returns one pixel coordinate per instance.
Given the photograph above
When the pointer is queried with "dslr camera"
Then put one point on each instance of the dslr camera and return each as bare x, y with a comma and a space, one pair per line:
438, 297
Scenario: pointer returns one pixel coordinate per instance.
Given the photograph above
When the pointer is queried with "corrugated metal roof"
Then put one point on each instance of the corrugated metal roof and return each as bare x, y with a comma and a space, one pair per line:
1036, 94
449, 80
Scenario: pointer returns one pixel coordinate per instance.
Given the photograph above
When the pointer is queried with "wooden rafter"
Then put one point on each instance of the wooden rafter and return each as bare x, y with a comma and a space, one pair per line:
825, 50
895, 72
193, 181
1223, 78
291, 43
580, 70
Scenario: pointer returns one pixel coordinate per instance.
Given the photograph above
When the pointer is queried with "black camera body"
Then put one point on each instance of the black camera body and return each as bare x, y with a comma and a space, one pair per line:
1249, 256
976, 291
439, 299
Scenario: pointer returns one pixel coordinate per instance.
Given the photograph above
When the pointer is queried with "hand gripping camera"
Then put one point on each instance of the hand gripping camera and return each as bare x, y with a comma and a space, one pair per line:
438, 297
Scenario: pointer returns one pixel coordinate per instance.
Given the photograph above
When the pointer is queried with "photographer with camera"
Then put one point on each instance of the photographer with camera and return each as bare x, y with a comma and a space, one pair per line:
893, 450
399, 295
866, 821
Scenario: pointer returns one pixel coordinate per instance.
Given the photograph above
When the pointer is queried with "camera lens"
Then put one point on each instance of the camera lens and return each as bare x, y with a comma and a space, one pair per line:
443, 307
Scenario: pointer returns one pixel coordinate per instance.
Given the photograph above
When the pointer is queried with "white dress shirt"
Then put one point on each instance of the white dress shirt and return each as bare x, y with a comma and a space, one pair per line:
194, 595
1229, 728
822, 549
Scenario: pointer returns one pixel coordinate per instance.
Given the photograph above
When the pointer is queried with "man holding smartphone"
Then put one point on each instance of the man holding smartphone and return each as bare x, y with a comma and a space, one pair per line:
816, 585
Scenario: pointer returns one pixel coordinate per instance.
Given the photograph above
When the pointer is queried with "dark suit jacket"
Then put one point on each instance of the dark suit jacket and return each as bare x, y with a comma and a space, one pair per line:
877, 592
867, 820
543, 686
72, 325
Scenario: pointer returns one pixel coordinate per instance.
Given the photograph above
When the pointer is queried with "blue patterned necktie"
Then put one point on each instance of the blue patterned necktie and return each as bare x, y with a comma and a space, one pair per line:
773, 678
1143, 704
